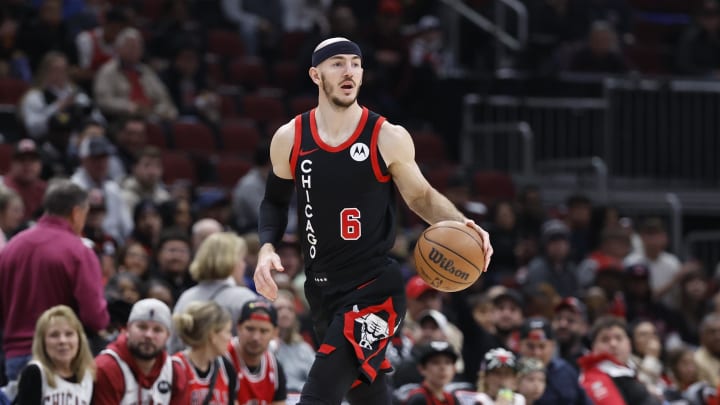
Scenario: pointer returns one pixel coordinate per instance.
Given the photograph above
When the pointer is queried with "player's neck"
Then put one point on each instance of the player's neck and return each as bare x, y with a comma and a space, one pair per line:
336, 125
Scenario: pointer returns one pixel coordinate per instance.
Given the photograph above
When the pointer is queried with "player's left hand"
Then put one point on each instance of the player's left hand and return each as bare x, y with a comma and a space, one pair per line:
487, 247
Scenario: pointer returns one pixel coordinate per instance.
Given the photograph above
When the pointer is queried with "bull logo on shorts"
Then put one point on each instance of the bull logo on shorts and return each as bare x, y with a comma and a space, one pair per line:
373, 328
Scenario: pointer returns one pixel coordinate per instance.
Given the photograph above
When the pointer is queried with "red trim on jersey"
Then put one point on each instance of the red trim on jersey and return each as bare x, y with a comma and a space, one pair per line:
296, 146
261, 386
198, 387
430, 398
374, 158
326, 348
363, 285
355, 383
348, 142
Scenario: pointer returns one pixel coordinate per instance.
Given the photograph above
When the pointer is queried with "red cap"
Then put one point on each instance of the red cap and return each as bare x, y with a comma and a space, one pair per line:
416, 287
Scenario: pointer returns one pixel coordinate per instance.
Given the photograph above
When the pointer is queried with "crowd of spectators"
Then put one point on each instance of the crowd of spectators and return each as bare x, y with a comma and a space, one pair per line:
114, 88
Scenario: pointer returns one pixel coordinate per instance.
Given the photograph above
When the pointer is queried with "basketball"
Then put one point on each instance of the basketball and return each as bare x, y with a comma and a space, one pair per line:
449, 256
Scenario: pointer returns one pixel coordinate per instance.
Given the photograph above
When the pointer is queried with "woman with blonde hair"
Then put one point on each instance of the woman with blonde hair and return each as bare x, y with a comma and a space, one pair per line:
62, 368
205, 328
218, 257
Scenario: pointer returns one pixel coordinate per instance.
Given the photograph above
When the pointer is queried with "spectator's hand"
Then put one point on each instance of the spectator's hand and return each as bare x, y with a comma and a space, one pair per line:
487, 247
268, 260
66, 101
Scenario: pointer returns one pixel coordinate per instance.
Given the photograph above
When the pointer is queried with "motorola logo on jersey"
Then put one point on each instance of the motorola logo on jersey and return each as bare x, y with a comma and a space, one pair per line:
359, 152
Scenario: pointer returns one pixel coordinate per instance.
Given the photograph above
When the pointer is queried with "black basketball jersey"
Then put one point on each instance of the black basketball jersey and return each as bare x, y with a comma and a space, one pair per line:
346, 199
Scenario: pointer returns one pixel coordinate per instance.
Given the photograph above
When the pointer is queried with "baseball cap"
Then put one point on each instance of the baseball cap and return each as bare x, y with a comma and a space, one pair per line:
26, 147
435, 315
536, 329
151, 309
258, 310
554, 229
497, 358
574, 305
638, 270
508, 294
424, 352
416, 287
95, 146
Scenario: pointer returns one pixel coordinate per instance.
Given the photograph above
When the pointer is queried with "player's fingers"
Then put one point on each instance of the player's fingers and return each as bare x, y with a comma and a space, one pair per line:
276, 264
264, 283
487, 247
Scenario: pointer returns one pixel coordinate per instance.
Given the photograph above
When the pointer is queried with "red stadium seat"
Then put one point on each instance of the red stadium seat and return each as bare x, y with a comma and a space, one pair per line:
6, 153
287, 75
229, 170
429, 148
225, 43
156, 135
263, 108
177, 166
239, 137
490, 186
193, 137
248, 72
292, 42
300, 104
11, 90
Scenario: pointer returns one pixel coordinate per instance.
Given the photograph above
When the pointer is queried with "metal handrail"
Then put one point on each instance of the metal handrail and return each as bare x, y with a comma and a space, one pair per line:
676, 220
595, 163
467, 142
698, 236
484, 23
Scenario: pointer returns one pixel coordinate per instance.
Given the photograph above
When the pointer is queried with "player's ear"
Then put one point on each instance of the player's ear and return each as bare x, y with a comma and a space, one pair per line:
314, 75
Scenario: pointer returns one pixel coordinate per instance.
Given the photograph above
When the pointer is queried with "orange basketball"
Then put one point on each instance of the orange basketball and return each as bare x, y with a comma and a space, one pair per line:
449, 256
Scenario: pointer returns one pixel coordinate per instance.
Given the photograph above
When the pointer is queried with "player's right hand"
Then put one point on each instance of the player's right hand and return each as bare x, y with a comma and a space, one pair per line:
268, 260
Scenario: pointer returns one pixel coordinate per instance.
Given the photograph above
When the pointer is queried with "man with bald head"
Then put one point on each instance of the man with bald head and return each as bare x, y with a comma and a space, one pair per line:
344, 163
203, 228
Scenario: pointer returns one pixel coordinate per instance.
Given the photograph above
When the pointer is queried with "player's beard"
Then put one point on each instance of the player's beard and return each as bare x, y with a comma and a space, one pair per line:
329, 89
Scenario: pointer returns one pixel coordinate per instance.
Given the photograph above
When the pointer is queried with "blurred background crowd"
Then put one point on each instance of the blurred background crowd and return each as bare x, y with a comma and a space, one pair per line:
162, 110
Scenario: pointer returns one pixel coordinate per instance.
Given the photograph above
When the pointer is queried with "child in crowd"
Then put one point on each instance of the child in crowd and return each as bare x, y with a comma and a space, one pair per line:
497, 381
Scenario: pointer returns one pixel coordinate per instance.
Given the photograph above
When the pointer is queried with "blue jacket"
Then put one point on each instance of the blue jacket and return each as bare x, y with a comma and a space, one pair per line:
563, 386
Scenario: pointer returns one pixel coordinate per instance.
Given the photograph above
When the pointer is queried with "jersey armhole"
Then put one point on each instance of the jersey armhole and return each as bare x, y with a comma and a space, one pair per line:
295, 151
381, 174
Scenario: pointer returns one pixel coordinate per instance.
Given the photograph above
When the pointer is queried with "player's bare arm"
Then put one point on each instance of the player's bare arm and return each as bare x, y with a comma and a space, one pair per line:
280, 148
398, 151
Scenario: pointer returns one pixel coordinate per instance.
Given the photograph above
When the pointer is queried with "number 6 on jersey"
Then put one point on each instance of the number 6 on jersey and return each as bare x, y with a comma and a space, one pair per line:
350, 224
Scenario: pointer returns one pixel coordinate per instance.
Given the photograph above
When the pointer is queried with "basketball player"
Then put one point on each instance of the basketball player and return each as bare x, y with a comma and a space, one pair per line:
343, 160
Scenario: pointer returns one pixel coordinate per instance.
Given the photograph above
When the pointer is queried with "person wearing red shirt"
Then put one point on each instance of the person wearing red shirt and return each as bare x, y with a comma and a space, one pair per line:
204, 326
49, 265
136, 369
262, 378
608, 375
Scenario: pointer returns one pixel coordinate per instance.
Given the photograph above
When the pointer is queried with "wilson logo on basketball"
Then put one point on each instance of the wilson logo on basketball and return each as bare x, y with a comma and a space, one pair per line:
446, 264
